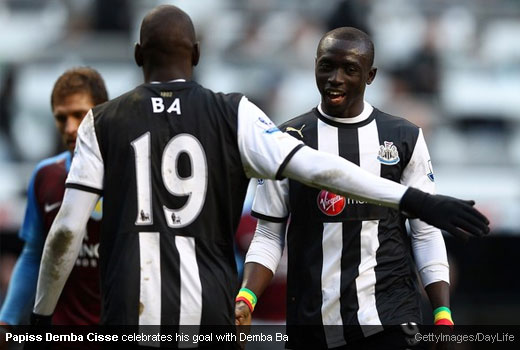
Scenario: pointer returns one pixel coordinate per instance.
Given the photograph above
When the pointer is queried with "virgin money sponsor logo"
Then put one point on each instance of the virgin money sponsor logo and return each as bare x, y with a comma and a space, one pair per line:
330, 203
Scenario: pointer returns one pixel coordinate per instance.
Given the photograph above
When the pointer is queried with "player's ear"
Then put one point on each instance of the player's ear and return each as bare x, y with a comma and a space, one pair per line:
138, 55
371, 75
195, 54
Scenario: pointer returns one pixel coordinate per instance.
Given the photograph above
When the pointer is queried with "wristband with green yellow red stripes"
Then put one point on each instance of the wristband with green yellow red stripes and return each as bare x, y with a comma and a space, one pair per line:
248, 297
442, 316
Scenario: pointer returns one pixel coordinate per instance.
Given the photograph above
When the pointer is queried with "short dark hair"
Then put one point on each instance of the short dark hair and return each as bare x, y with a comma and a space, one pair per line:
354, 35
78, 80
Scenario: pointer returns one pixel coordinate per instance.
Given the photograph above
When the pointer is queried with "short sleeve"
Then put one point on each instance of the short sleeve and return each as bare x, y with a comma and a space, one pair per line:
264, 149
87, 168
271, 200
419, 173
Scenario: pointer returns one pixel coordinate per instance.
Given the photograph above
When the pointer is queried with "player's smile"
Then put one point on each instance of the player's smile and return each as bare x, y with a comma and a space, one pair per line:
334, 96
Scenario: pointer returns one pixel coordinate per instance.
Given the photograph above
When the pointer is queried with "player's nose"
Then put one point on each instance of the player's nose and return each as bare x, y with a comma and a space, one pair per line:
71, 126
335, 77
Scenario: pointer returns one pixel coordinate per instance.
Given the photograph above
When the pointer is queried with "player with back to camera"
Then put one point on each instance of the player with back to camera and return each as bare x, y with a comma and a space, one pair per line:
172, 160
75, 92
349, 262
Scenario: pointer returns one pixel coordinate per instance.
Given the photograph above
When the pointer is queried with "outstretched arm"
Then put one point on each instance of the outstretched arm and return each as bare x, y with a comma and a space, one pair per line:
321, 170
62, 248
266, 152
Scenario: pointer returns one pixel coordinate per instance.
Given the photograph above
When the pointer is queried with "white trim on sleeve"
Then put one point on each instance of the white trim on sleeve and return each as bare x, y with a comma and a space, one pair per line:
263, 147
87, 168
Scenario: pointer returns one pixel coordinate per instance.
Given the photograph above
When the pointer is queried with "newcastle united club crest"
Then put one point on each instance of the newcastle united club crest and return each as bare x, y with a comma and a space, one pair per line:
388, 153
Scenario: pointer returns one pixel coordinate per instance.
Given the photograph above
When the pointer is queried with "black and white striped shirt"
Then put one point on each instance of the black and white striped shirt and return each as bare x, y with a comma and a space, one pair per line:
172, 161
349, 262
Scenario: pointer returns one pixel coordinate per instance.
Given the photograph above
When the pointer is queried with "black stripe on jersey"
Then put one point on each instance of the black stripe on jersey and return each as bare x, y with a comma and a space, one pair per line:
304, 306
404, 136
170, 280
217, 284
84, 188
350, 259
397, 296
267, 217
349, 144
286, 160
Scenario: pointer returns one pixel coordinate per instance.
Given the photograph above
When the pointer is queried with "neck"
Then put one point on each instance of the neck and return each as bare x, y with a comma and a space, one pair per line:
351, 111
366, 112
166, 73
356, 109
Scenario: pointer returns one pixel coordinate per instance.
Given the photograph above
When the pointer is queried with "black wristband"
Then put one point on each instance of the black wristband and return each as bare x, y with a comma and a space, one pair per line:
40, 320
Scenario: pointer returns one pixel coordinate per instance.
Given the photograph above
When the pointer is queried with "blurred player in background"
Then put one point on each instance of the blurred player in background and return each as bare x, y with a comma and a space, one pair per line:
172, 160
74, 94
349, 261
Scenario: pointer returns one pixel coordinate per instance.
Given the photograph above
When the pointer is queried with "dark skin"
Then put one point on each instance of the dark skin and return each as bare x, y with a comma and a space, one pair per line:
256, 278
343, 69
168, 48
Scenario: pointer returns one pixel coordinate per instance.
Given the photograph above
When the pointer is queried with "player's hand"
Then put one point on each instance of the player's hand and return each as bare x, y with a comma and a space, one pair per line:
242, 314
242, 320
456, 216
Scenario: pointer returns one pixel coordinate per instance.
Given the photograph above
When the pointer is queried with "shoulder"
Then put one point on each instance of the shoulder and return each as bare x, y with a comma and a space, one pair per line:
131, 97
211, 96
299, 125
300, 120
391, 121
52, 164
231, 96
232, 99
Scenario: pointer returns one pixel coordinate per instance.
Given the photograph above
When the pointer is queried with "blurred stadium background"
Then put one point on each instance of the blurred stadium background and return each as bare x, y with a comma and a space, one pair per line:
451, 67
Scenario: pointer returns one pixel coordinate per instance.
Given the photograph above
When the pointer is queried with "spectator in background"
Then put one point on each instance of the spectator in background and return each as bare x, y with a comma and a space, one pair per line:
112, 16
6, 105
422, 70
402, 100
350, 13
74, 93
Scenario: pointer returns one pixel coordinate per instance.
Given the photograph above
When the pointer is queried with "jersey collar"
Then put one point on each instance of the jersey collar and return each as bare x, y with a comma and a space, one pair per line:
171, 81
367, 111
